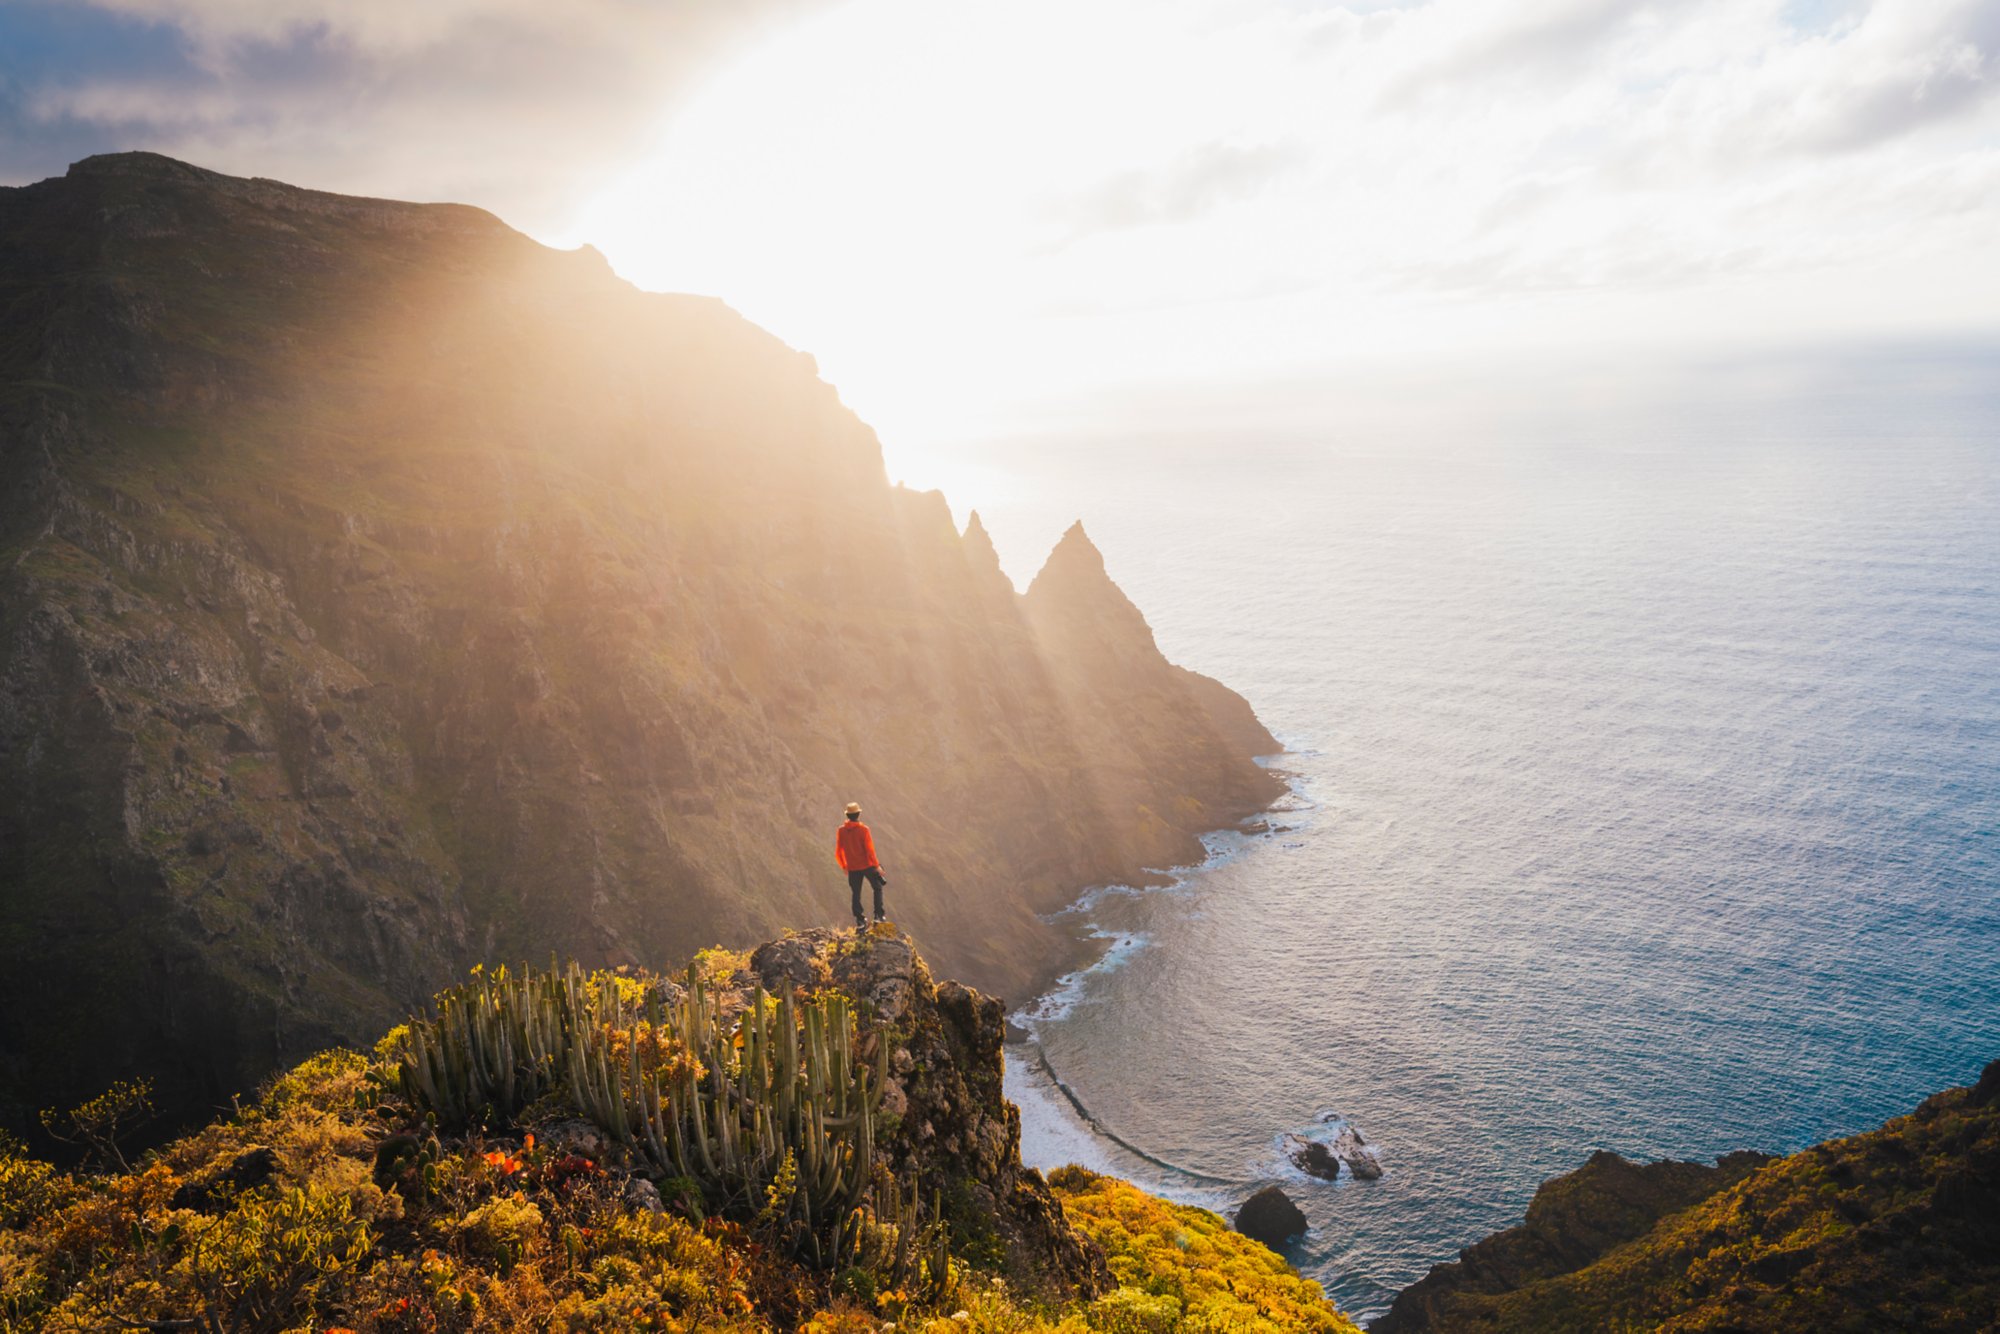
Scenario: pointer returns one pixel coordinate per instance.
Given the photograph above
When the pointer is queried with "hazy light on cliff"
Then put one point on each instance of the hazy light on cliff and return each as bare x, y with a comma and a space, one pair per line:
879, 187
966, 209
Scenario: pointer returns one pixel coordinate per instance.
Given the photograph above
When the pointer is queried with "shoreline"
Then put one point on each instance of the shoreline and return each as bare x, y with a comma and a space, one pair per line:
1093, 946
1055, 1110
1078, 949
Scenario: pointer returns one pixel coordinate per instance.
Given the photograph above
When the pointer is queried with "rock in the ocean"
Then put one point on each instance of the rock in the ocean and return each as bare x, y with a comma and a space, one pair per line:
1350, 1148
1270, 1216
1312, 1157
1324, 1160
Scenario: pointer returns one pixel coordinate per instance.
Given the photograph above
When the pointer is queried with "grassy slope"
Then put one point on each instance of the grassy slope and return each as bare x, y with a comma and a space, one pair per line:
1898, 1228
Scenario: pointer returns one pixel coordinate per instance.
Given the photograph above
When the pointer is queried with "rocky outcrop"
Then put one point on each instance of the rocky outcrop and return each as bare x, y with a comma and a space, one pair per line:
1897, 1228
1572, 1221
1270, 1216
950, 1125
375, 1210
1312, 1157
1351, 1149
383, 592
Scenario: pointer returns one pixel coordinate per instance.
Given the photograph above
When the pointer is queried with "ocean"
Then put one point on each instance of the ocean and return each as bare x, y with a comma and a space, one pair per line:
1645, 795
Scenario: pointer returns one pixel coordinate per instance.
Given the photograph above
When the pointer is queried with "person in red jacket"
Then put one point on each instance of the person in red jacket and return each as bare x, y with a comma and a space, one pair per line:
854, 849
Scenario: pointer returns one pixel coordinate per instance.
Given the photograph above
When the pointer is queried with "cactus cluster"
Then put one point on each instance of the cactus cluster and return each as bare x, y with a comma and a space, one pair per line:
773, 1114
733, 1103
890, 1239
497, 1044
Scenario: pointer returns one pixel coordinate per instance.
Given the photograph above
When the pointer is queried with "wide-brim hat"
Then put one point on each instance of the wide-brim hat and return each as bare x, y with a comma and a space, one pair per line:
854, 808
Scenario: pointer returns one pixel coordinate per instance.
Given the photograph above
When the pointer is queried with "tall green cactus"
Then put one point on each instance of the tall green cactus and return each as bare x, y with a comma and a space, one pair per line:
893, 1238
728, 1105
784, 1080
496, 1046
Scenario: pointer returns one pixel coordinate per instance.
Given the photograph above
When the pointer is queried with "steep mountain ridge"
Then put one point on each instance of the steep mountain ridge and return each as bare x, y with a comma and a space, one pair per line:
381, 591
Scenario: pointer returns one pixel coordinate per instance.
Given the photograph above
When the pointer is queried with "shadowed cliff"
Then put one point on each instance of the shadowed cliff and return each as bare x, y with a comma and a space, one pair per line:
381, 591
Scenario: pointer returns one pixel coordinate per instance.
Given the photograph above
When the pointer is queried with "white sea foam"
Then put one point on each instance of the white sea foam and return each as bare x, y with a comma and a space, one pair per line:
1075, 988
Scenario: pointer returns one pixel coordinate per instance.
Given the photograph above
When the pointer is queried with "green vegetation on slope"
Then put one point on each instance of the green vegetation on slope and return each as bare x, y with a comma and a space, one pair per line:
1898, 1228
342, 1200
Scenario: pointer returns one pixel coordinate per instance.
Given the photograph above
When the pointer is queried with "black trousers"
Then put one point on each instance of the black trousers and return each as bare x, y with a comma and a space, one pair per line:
874, 876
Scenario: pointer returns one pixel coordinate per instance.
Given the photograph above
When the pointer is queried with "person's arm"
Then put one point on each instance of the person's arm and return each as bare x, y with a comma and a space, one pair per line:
873, 859
840, 850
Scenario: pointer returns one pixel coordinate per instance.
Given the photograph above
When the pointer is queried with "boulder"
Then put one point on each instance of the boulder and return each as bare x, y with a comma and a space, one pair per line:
1350, 1148
575, 1136
247, 1171
642, 1196
1312, 1157
795, 963
1270, 1216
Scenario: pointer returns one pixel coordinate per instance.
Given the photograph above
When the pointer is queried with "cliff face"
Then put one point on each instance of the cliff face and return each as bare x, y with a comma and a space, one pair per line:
381, 591
957, 1135
1898, 1228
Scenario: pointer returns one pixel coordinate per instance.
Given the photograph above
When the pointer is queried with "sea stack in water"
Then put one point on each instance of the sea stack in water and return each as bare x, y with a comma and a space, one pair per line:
1323, 1160
1312, 1157
1350, 1148
1270, 1216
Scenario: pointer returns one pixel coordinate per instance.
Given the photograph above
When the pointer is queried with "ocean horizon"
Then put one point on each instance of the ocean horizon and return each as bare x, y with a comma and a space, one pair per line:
1643, 796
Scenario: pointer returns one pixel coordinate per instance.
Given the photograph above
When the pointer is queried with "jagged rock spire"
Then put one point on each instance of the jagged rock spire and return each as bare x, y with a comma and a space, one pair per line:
1074, 596
979, 549
982, 559
1074, 564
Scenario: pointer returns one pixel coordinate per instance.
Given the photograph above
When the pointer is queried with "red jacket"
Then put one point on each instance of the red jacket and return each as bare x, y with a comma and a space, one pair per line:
854, 846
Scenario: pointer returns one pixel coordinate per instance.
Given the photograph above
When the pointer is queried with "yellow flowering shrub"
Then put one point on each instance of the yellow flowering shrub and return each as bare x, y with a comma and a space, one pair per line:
1187, 1269
328, 1204
503, 1229
28, 1189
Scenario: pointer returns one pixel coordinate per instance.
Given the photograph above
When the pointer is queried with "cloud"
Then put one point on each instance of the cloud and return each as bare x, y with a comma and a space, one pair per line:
512, 105
1901, 70
1534, 40
1589, 145
1203, 177
951, 201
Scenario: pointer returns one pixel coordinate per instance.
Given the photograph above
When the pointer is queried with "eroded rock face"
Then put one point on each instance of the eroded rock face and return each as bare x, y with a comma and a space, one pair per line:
384, 593
954, 1129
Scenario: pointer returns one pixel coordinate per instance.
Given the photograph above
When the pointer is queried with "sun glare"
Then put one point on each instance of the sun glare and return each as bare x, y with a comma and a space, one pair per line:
891, 187
985, 218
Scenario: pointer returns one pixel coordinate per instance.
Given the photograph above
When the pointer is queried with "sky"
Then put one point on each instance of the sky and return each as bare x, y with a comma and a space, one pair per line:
1108, 214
